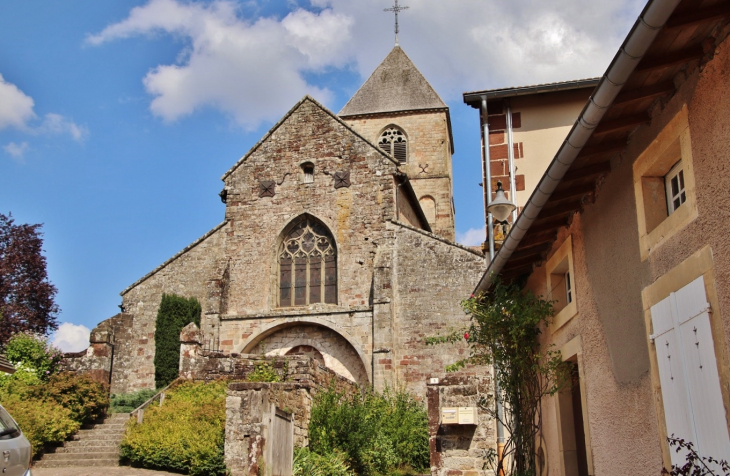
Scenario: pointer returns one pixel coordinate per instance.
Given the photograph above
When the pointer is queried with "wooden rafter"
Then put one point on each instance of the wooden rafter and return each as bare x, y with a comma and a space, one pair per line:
623, 122
551, 224
589, 171
671, 59
600, 149
648, 92
696, 17
572, 192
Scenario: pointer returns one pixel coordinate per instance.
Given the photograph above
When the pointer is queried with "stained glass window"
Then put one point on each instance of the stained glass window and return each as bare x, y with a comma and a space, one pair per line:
307, 265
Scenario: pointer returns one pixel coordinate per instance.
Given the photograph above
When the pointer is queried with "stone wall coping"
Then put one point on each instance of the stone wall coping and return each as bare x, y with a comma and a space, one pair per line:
298, 312
437, 238
242, 386
176, 256
286, 116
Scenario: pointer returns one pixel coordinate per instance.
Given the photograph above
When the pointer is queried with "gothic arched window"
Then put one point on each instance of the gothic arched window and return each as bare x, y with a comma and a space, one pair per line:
394, 141
307, 264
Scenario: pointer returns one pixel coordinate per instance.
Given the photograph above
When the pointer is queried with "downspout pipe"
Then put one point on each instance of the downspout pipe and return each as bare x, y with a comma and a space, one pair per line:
511, 162
647, 27
487, 176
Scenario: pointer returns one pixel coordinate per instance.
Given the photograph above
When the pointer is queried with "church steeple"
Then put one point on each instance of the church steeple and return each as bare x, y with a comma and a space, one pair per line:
397, 109
395, 85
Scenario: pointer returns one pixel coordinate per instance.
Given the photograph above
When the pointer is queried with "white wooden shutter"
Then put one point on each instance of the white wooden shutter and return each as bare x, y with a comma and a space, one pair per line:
693, 404
675, 396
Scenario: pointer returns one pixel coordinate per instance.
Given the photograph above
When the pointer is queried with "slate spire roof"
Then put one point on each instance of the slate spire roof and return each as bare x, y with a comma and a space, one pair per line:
395, 85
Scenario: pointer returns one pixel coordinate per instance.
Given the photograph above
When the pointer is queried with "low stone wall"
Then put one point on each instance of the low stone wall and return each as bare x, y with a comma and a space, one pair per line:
96, 360
460, 450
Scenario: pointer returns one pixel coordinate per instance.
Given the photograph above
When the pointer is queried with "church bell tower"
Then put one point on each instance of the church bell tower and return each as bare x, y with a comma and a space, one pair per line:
397, 109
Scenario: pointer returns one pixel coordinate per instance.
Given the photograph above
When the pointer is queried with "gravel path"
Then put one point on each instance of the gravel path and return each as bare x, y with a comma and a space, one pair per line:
99, 471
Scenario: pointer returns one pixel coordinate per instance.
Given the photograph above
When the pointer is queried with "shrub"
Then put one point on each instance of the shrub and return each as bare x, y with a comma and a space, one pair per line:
185, 434
35, 353
42, 421
307, 463
174, 313
265, 372
379, 433
126, 402
85, 398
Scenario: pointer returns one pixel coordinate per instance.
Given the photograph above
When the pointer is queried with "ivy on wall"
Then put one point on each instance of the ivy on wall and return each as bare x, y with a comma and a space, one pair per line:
175, 312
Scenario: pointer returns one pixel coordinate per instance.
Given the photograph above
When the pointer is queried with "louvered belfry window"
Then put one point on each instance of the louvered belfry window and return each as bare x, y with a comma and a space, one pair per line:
394, 142
307, 265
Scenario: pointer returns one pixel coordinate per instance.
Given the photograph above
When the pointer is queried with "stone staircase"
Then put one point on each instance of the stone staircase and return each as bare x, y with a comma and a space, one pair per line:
93, 445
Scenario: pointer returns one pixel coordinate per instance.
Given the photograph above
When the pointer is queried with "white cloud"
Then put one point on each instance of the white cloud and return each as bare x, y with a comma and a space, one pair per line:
252, 70
16, 151
16, 108
256, 68
58, 124
471, 237
71, 337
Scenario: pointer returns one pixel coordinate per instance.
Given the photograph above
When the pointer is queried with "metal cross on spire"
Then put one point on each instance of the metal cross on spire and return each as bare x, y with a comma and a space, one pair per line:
395, 9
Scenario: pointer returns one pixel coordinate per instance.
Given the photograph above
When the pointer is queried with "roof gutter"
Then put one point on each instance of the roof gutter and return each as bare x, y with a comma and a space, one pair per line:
642, 35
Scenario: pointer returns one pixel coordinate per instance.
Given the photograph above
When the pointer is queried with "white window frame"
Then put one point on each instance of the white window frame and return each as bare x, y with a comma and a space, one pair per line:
559, 269
675, 200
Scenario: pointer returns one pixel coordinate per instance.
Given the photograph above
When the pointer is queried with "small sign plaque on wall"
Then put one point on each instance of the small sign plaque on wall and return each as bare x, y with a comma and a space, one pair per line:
449, 416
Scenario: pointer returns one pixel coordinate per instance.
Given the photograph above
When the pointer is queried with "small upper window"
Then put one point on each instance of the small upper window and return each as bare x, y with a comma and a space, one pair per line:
308, 171
674, 185
393, 141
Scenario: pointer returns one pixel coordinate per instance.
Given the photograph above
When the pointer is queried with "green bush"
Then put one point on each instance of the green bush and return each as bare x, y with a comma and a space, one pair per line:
307, 463
174, 313
33, 352
380, 434
84, 397
50, 412
126, 402
266, 372
185, 434
42, 421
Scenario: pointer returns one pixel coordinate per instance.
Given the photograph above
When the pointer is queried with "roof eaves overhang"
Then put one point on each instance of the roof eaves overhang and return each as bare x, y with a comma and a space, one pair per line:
642, 35
474, 99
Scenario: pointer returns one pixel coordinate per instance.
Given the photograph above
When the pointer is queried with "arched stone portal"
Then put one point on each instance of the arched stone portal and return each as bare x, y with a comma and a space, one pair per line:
336, 352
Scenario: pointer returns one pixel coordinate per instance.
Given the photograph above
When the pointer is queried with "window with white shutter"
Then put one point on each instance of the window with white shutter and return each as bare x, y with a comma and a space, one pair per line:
690, 384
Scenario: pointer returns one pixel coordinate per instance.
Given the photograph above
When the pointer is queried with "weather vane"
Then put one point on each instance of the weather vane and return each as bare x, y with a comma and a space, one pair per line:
395, 10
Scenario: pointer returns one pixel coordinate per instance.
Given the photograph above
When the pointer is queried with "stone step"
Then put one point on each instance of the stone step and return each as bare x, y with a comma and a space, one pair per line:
81, 463
102, 431
86, 449
100, 437
104, 426
83, 443
81, 456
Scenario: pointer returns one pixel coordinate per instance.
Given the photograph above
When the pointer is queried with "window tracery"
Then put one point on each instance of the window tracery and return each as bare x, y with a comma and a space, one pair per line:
307, 265
394, 141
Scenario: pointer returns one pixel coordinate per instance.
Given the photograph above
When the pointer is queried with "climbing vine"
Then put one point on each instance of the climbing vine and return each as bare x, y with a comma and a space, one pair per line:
505, 325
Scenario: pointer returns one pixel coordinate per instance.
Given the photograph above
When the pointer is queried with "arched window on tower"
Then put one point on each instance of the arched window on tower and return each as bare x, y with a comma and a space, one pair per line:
394, 141
307, 264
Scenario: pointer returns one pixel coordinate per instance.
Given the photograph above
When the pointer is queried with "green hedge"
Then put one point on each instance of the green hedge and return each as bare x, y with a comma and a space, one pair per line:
185, 434
380, 434
174, 313
126, 402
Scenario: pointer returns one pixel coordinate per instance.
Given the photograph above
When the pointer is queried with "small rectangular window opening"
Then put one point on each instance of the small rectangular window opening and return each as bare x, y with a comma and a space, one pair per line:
308, 170
568, 289
562, 287
674, 186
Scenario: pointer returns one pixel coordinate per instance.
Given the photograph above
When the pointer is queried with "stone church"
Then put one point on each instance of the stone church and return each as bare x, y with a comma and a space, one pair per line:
337, 242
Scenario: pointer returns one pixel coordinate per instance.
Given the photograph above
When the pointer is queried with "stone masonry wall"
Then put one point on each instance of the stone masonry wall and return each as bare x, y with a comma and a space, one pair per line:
186, 274
460, 450
429, 157
432, 277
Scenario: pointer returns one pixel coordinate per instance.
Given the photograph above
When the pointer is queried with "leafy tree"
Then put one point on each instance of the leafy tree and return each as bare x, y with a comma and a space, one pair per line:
34, 353
174, 313
26, 294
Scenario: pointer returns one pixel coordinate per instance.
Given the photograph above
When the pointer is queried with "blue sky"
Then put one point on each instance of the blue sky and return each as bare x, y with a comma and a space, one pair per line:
117, 119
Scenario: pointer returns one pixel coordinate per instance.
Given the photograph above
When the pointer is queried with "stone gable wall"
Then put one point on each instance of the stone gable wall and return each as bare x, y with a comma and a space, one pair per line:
355, 215
429, 146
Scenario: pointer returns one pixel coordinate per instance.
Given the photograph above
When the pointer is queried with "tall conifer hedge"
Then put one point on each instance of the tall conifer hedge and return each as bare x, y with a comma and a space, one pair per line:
175, 312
